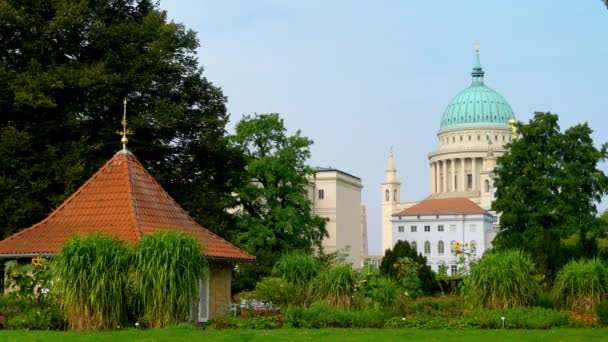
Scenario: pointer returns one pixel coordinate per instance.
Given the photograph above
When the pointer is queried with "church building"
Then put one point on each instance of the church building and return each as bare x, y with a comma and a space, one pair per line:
473, 132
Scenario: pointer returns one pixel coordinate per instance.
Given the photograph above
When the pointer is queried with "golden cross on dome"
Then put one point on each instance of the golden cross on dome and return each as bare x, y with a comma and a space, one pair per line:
477, 49
125, 131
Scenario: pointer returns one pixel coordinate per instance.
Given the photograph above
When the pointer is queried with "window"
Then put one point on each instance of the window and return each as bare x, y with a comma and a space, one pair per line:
453, 139
427, 247
452, 228
440, 228
414, 246
474, 247
461, 138
470, 181
478, 137
495, 218
454, 270
321, 194
455, 182
486, 184
413, 229
473, 228
401, 229
440, 247
496, 138
387, 195
395, 195
427, 228
469, 138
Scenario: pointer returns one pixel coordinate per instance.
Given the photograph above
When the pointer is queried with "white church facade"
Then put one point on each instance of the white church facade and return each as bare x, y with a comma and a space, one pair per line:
473, 132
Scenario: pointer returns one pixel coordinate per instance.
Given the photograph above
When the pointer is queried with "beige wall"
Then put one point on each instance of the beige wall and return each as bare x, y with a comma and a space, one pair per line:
220, 279
341, 204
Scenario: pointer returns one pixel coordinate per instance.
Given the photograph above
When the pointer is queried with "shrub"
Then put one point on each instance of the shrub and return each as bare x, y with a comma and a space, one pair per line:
91, 277
377, 291
448, 307
167, 267
335, 285
601, 310
581, 284
328, 316
297, 267
25, 281
517, 318
428, 284
502, 280
276, 290
36, 318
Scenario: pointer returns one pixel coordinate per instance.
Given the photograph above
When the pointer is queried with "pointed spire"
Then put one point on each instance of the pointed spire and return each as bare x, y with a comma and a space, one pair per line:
391, 172
477, 72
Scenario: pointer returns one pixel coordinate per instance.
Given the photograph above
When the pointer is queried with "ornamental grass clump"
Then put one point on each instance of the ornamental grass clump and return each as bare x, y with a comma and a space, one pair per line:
581, 284
335, 286
502, 280
90, 280
297, 267
166, 270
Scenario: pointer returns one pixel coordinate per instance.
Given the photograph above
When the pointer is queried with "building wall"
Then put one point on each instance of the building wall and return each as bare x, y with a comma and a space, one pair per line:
340, 203
220, 280
455, 228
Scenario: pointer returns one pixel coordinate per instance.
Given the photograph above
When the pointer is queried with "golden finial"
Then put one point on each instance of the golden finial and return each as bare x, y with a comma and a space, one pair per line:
513, 127
125, 131
477, 49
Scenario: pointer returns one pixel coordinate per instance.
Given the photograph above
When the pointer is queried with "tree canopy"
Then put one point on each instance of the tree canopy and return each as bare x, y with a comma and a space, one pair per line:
275, 214
547, 188
65, 67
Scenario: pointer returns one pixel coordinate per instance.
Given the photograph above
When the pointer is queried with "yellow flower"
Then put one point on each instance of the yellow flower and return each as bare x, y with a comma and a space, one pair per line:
39, 262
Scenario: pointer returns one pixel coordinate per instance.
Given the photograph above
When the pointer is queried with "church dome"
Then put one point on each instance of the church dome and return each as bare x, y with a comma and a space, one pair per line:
477, 105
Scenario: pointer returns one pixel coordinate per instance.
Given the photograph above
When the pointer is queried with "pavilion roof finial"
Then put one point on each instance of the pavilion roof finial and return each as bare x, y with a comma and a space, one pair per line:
125, 131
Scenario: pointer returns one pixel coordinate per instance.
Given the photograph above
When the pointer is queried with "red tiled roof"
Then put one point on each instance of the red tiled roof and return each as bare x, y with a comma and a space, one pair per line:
122, 199
443, 206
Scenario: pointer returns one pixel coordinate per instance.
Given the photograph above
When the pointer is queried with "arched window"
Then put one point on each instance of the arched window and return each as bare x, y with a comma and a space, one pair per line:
427, 247
453, 246
395, 195
440, 247
473, 247
487, 185
414, 246
387, 195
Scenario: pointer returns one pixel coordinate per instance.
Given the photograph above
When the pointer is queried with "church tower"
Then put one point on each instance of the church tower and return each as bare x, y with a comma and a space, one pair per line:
391, 194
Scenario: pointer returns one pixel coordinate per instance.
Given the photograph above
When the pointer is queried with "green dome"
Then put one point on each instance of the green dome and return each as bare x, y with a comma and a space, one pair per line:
477, 106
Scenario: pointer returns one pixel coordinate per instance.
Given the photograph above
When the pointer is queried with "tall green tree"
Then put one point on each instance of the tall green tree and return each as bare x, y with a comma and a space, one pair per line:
547, 188
65, 67
275, 213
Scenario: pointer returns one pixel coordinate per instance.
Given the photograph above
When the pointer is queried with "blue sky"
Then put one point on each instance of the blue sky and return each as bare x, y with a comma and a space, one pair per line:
360, 76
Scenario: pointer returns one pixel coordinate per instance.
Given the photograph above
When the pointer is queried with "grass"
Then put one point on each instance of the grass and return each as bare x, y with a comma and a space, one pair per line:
581, 284
335, 285
502, 280
166, 269
91, 280
293, 335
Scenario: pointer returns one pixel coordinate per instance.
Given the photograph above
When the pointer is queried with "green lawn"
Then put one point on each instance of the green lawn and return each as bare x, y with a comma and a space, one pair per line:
292, 335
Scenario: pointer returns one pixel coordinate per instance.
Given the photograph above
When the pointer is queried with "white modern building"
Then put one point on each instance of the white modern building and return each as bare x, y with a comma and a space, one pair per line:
336, 195
474, 130
434, 226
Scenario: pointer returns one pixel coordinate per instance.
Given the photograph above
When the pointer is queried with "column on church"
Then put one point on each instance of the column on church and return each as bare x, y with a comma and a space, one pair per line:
463, 174
444, 185
432, 178
452, 173
474, 172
